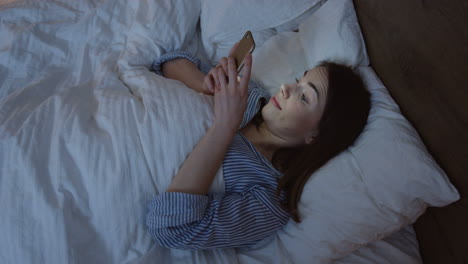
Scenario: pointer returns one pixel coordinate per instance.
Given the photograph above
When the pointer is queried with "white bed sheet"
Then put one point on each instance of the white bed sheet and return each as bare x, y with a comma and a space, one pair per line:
63, 63
400, 247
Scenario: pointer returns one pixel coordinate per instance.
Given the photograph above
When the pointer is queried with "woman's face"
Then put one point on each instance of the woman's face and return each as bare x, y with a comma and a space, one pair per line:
293, 114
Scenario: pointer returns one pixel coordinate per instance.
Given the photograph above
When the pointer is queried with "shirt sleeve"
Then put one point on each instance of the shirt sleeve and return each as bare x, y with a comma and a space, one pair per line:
254, 102
189, 221
157, 64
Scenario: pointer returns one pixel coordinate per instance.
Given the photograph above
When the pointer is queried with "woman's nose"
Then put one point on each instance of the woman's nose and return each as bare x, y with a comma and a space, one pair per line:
286, 90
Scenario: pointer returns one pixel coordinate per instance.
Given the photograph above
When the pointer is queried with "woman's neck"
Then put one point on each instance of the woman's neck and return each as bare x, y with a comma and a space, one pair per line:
260, 138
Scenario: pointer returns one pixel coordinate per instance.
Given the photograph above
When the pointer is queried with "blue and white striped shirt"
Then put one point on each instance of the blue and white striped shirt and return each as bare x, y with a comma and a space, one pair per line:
245, 214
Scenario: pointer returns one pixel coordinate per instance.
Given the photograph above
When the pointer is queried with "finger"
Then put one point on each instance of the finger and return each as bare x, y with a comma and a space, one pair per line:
214, 75
209, 83
233, 49
247, 70
232, 70
224, 64
222, 79
219, 66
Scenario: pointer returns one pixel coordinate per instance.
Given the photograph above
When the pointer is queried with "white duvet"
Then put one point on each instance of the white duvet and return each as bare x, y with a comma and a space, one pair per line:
78, 171
88, 134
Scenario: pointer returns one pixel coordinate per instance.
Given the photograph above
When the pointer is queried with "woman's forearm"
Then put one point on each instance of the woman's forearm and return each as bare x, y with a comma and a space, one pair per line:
199, 169
185, 71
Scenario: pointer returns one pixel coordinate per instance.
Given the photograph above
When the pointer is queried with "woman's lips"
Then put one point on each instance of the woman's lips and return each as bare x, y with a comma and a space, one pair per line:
273, 99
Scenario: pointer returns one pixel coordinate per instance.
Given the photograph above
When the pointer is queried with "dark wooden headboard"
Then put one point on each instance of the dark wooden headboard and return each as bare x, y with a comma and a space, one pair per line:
419, 49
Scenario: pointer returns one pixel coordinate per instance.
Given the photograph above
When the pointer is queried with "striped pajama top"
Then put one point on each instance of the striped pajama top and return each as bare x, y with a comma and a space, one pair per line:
249, 210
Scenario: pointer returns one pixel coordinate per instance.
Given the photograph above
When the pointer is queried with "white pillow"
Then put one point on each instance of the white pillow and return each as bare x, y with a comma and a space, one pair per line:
279, 60
331, 33
380, 184
225, 22
149, 31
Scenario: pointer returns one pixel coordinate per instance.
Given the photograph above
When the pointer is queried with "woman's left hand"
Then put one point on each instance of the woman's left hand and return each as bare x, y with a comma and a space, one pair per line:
230, 95
209, 81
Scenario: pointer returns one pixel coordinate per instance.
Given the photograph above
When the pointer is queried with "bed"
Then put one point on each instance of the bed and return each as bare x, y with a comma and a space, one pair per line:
88, 133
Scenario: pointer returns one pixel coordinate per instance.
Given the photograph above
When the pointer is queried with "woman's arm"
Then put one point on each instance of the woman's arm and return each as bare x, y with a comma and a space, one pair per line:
199, 169
230, 101
185, 71
187, 221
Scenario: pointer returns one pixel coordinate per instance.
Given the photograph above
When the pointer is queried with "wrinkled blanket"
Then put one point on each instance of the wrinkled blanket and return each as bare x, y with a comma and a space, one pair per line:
87, 133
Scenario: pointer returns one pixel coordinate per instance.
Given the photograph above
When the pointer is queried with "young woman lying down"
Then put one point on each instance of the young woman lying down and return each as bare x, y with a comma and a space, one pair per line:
267, 147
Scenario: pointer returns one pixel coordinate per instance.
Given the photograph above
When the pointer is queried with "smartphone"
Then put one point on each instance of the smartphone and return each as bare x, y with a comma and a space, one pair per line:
246, 45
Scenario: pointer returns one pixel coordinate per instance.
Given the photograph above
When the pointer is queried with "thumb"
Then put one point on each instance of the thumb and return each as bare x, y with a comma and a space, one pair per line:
233, 49
246, 71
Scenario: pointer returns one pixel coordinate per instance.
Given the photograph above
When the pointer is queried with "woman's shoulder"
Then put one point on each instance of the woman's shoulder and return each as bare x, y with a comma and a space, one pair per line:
244, 167
256, 97
254, 88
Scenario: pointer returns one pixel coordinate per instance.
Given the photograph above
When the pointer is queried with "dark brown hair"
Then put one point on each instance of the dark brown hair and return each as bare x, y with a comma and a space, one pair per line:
344, 117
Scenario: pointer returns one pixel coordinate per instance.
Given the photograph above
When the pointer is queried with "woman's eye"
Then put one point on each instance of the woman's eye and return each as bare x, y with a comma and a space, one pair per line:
304, 99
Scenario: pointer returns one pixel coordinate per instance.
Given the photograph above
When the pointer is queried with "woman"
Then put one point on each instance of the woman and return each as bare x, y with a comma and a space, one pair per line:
268, 151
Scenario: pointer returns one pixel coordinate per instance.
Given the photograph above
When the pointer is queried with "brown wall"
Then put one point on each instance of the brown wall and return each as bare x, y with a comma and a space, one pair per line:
420, 51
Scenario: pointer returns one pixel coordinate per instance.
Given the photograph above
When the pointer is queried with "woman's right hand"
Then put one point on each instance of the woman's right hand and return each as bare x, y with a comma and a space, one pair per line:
230, 95
209, 80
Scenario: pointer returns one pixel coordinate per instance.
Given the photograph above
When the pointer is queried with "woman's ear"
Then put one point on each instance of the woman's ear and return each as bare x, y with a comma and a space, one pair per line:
311, 136
310, 140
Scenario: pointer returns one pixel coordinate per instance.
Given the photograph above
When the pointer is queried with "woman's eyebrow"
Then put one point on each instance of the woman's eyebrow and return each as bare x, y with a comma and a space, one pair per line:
312, 85
315, 88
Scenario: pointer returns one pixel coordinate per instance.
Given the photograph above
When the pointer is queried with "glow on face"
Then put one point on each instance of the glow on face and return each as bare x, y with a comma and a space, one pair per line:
295, 111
